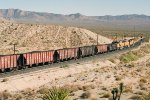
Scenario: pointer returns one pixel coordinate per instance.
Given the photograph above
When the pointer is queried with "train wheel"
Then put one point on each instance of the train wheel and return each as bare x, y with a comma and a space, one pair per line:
2, 70
10, 69
24, 67
20, 67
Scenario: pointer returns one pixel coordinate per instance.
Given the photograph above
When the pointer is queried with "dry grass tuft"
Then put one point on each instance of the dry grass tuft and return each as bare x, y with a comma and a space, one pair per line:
128, 89
43, 90
118, 78
5, 80
64, 66
88, 87
29, 92
142, 86
18, 97
112, 60
5, 95
104, 88
143, 80
73, 88
139, 93
145, 96
106, 95
85, 95
93, 99
135, 97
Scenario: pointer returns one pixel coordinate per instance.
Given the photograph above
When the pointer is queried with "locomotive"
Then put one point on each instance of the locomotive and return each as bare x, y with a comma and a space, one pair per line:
19, 61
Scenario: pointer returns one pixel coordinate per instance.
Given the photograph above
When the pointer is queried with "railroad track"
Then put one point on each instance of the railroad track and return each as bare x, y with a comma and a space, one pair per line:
79, 61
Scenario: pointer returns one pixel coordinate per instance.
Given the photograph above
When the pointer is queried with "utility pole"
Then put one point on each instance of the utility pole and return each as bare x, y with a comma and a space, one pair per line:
97, 38
134, 31
14, 48
67, 38
116, 38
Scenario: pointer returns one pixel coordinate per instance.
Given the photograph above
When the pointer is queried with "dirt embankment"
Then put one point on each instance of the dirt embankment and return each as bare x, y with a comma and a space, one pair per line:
33, 37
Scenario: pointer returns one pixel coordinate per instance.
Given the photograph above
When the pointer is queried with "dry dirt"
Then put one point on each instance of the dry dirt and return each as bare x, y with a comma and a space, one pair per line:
98, 77
33, 37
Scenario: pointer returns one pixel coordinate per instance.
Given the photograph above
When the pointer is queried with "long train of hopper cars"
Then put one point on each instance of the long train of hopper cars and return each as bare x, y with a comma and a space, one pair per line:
19, 61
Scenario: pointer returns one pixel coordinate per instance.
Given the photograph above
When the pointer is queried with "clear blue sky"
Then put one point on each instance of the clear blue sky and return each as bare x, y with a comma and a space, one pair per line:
86, 7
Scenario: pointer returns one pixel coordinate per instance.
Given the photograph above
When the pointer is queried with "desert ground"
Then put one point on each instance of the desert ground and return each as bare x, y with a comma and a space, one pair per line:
90, 80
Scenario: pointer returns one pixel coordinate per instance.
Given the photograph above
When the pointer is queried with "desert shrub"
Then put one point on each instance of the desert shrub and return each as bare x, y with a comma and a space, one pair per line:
43, 90
139, 93
96, 70
130, 65
138, 52
78, 63
88, 87
112, 60
5, 80
142, 86
85, 95
5, 95
106, 95
143, 80
56, 94
146, 97
93, 99
118, 78
128, 57
73, 88
29, 92
64, 66
135, 97
146, 49
18, 96
128, 89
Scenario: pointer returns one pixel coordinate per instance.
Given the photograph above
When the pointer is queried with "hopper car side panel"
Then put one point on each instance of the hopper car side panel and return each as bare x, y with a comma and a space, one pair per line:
9, 61
50, 56
84, 51
62, 54
76, 52
87, 50
38, 57
102, 48
71, 53
112, 47
105, 48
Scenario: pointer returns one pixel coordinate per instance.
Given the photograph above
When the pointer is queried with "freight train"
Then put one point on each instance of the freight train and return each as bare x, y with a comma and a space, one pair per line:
36, 58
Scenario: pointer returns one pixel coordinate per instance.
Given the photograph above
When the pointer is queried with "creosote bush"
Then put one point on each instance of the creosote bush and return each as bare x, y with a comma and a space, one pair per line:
85, 95
64, 66
134, 55
5, 95
143, 80
5, 80
43, 90
145, 97
106, 95
128, 57
112, 60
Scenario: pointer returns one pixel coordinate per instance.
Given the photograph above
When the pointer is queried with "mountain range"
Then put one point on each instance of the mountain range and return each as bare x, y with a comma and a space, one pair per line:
141, 22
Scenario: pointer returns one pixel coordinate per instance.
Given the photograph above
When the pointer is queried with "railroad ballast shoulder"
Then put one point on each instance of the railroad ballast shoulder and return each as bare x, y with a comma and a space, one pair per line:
19, 61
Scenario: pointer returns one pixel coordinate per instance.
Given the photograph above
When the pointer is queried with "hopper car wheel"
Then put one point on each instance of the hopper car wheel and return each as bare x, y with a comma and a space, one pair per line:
2, 70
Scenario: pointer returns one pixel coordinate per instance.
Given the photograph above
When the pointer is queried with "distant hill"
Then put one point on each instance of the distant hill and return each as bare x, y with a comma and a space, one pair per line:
142, 22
